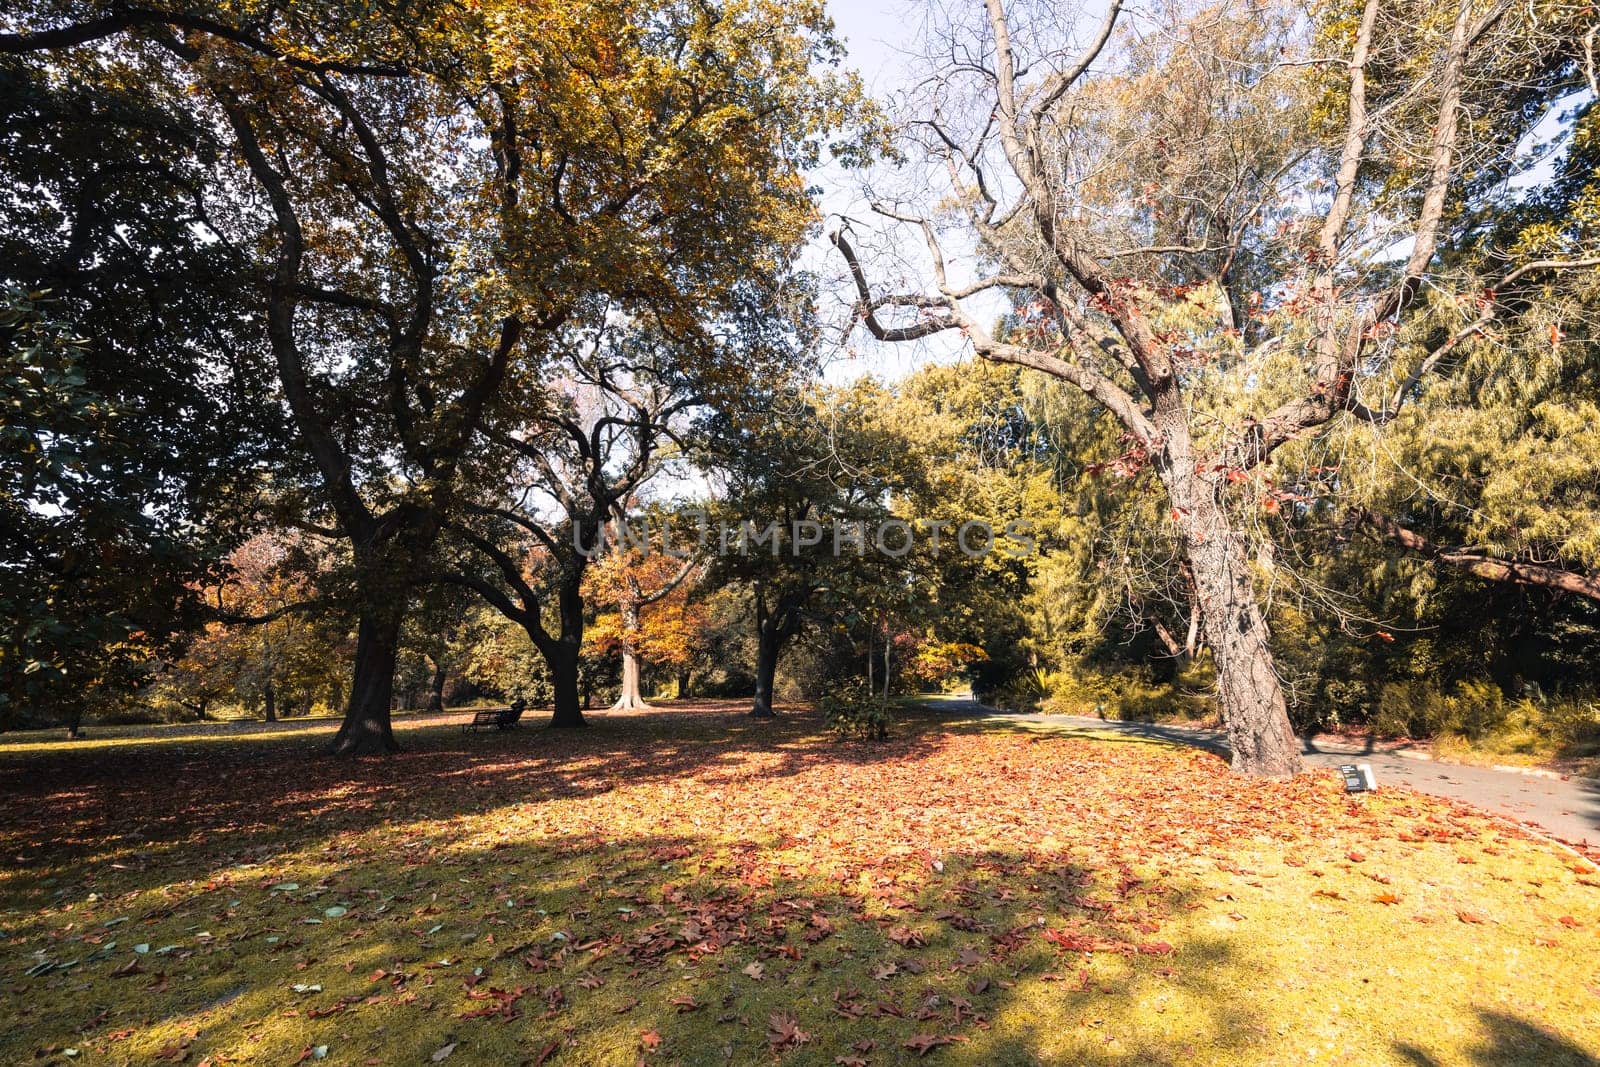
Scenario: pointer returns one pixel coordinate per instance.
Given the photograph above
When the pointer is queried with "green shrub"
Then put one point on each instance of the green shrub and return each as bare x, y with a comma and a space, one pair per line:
1128, 694
1338, 701
1480, 709
1419, 709
852, 711
1572, 722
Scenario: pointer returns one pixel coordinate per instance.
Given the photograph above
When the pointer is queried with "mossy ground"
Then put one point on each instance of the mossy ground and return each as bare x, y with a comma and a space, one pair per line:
691, 886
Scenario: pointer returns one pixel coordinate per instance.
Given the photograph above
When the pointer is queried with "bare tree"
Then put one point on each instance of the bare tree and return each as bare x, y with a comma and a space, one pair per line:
1186, 243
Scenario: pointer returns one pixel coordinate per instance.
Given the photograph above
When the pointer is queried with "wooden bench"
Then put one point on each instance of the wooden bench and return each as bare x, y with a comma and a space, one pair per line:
499, 718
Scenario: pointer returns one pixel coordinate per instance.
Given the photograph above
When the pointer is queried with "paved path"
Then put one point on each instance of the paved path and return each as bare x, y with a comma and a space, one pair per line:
1568, 809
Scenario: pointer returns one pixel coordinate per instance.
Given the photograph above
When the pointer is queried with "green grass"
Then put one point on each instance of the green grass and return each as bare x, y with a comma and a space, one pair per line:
695, 887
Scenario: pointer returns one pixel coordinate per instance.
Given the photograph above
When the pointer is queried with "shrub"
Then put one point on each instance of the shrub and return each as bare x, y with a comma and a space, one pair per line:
1128, 694
1572, 722
1419, 709
852, 711
1479, 709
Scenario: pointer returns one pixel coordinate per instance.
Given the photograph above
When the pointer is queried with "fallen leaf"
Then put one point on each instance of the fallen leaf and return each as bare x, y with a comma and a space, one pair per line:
922, 1044
783, 1031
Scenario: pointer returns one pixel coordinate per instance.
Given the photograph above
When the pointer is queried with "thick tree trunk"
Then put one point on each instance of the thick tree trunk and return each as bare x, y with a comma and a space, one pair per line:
630, 699
436, 689
564, 679
683, 683
1254, 713
562, 653
366, 729
271, 712
767, 647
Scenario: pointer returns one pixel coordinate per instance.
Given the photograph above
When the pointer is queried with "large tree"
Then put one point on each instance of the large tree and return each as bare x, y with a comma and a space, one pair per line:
807, 477
565, 476
1214, 245
654, 621
425, 197
136, 418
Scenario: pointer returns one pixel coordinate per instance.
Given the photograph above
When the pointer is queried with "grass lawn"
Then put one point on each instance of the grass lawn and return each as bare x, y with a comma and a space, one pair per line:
691, 886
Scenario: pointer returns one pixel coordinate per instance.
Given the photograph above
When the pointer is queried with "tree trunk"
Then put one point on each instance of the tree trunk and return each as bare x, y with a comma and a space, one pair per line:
888, 665
562, 654
683, 683
767, 647
564, 679
630, 699
1254, 713
1191, 640
436, 690
271, 712
367, 729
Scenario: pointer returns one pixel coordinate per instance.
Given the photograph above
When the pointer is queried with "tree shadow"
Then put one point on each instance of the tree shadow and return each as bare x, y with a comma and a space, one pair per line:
624, 881
658, 935
1509, 1040
133, 805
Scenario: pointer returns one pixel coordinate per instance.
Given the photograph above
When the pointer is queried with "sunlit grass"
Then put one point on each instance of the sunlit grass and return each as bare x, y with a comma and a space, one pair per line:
692, 887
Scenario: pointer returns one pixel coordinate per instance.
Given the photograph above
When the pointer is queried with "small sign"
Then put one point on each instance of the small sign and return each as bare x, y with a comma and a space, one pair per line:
1358, 778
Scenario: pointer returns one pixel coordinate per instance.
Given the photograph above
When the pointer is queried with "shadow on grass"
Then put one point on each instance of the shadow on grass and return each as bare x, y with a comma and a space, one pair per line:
884, 904
244, 796
1507, 1040
582, 948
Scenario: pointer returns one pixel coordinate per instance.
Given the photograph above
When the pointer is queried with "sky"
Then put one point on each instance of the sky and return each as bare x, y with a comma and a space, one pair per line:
877, 35
883, 39
875, 31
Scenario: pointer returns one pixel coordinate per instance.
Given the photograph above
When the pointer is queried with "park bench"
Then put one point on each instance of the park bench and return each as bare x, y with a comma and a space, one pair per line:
499, 718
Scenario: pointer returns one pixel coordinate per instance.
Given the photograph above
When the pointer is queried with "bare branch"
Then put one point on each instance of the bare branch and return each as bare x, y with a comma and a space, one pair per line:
1059, 84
